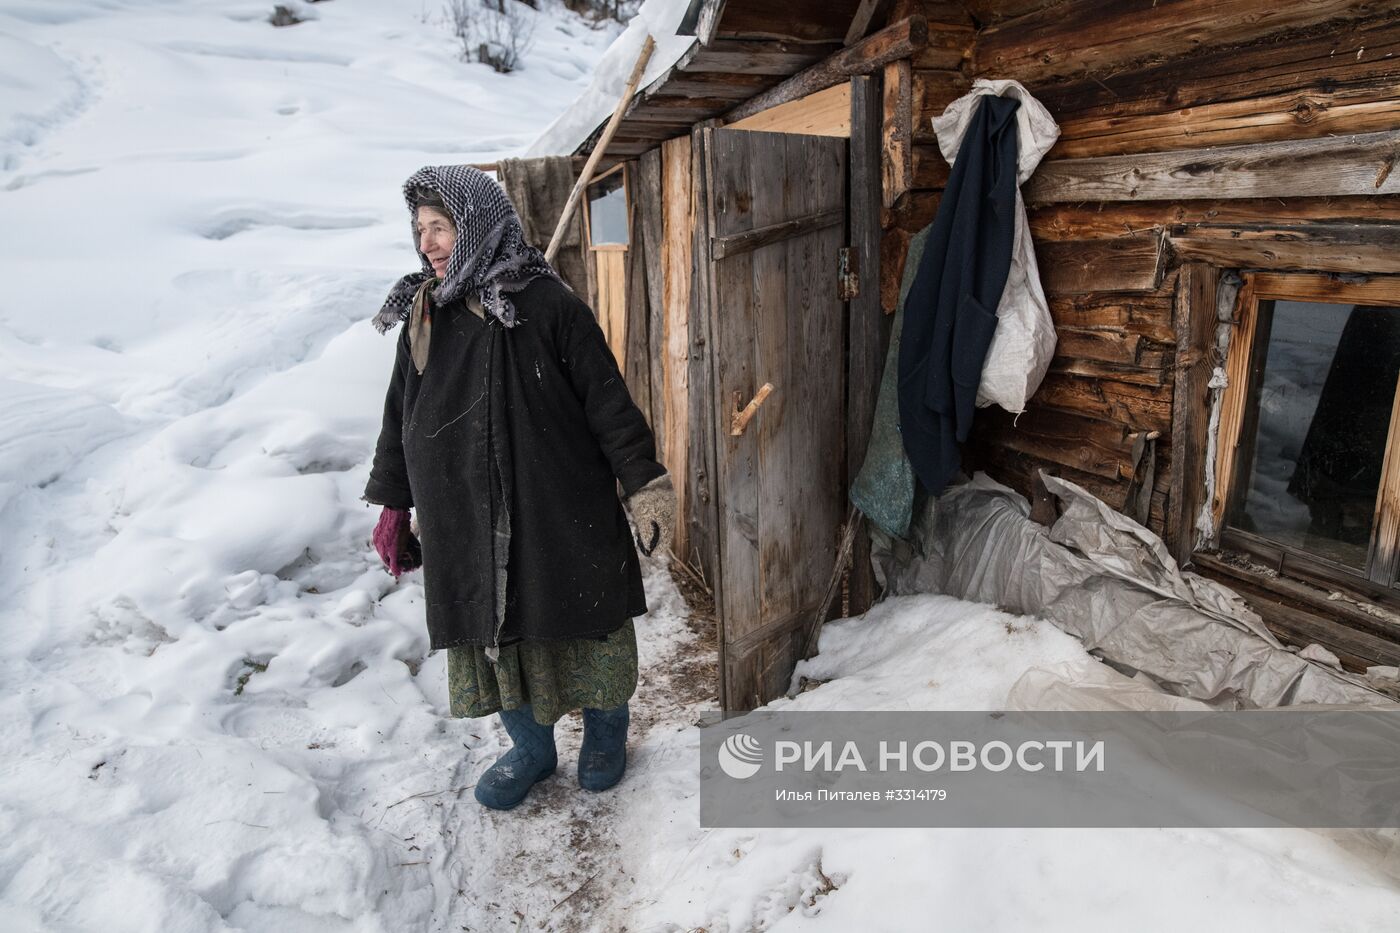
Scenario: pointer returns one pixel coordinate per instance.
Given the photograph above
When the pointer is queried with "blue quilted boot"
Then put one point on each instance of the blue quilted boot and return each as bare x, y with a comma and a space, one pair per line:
603, 757
530, 760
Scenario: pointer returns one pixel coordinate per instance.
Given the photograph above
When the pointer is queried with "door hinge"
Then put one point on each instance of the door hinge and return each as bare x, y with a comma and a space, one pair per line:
847, 273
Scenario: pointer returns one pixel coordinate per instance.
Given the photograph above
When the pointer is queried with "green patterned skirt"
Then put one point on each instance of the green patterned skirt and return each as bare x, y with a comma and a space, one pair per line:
554, 675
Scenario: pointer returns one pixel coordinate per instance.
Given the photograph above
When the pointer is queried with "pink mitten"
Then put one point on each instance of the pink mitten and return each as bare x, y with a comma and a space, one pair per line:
392, 540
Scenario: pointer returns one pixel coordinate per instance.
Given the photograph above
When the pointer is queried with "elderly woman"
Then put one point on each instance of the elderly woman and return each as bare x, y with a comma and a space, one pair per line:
507, 428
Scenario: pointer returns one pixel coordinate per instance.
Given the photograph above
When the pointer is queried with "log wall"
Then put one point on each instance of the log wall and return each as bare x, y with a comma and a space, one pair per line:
1124, 242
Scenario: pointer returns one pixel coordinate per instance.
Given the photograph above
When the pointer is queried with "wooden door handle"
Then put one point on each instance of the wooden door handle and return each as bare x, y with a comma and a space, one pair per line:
739, 418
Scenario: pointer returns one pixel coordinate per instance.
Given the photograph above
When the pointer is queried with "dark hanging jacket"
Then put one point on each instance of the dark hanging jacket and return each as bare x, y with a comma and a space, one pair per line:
534, 425
950, 313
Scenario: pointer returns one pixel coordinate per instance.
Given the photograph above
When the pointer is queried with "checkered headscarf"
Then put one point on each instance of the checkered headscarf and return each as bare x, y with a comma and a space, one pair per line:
490, 257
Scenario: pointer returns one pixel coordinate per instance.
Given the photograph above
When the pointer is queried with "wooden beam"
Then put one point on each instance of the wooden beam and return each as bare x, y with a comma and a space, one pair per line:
824, 113
1091, 221
897, 167
988, 12
1194, 320
889, 44
811, 22
1364, 249
1340, 55
755, 56
678, 223
1110, 265
1105, 449
1299, 617
868, 12
1233, 401
1093, 36
1272, 119
1356, 164
750, 240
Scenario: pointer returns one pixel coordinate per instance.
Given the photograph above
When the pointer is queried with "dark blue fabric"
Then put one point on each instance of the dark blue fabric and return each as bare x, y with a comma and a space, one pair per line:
950, 312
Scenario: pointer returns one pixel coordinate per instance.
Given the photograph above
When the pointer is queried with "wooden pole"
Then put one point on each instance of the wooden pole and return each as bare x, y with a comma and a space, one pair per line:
637, 70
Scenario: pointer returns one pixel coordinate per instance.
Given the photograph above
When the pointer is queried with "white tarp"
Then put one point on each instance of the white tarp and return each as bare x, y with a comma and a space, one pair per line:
1109, 581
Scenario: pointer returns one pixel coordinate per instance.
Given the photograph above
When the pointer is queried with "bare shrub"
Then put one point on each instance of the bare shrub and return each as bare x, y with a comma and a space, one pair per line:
495, 32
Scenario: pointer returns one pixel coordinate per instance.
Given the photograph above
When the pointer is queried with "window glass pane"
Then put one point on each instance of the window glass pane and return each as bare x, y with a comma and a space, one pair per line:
607, 211
1323, 411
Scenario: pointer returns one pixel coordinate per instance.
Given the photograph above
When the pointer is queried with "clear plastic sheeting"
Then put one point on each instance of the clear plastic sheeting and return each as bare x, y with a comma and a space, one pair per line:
1110, 582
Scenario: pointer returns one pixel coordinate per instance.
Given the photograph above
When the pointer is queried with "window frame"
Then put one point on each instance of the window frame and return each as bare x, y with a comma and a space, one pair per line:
627, 208
1244, 368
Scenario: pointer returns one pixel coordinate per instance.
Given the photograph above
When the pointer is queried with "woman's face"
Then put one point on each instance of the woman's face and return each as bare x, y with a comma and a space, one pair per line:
436, 234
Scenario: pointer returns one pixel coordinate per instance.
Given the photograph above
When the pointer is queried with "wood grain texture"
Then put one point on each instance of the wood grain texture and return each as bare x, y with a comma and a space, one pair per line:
611, 267
897, 166
1094, 221
868, 340
677, 218
647, 186
1194, 319
1098, 36
637, 357
821, 113
1354, 164
722, 247
1355, 248
775, 318
1109, 265
704, 512
895, 42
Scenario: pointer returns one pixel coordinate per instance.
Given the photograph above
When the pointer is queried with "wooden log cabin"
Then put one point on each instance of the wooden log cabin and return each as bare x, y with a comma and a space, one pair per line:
1216, 228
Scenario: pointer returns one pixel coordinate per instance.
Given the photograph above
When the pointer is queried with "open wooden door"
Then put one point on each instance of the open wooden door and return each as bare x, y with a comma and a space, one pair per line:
776, 215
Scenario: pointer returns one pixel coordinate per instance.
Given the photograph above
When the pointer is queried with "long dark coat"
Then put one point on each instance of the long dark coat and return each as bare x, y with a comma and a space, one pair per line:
950, 314
535, 419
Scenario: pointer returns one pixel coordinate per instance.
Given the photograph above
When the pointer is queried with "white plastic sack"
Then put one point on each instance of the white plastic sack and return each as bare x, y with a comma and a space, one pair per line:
1024, 341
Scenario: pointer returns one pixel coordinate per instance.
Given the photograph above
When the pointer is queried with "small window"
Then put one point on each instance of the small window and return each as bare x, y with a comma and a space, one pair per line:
607, 210
1314, 479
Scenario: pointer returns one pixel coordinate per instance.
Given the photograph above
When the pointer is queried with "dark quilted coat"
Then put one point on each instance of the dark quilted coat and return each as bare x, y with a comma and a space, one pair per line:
534, 419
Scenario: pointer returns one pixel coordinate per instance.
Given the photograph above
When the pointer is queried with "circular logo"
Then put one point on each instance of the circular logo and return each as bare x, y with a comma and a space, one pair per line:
740, 756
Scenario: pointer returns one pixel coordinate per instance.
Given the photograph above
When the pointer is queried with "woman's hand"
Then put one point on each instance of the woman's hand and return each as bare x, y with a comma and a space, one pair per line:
653, 509
393, 539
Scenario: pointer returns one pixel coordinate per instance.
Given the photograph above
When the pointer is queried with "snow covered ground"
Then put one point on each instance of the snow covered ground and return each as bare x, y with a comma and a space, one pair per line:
219, 712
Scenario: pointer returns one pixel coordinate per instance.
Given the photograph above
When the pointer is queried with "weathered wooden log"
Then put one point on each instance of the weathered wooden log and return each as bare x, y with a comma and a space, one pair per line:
934, 90
897, 131
1090, 36
1194, 320
1344, 56
1358, 248
1110, 265
1273, 119
1146, 408
1341, 165
754, 57
1071, 439
1091, 221
1148, 315
897, 41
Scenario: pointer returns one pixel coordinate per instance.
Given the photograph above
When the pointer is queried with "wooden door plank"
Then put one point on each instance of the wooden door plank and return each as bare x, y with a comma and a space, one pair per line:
702, 377
730, 205
647, 184
867, 340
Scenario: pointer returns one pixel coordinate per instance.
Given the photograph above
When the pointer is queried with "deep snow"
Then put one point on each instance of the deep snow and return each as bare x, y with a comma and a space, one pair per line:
219, 711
